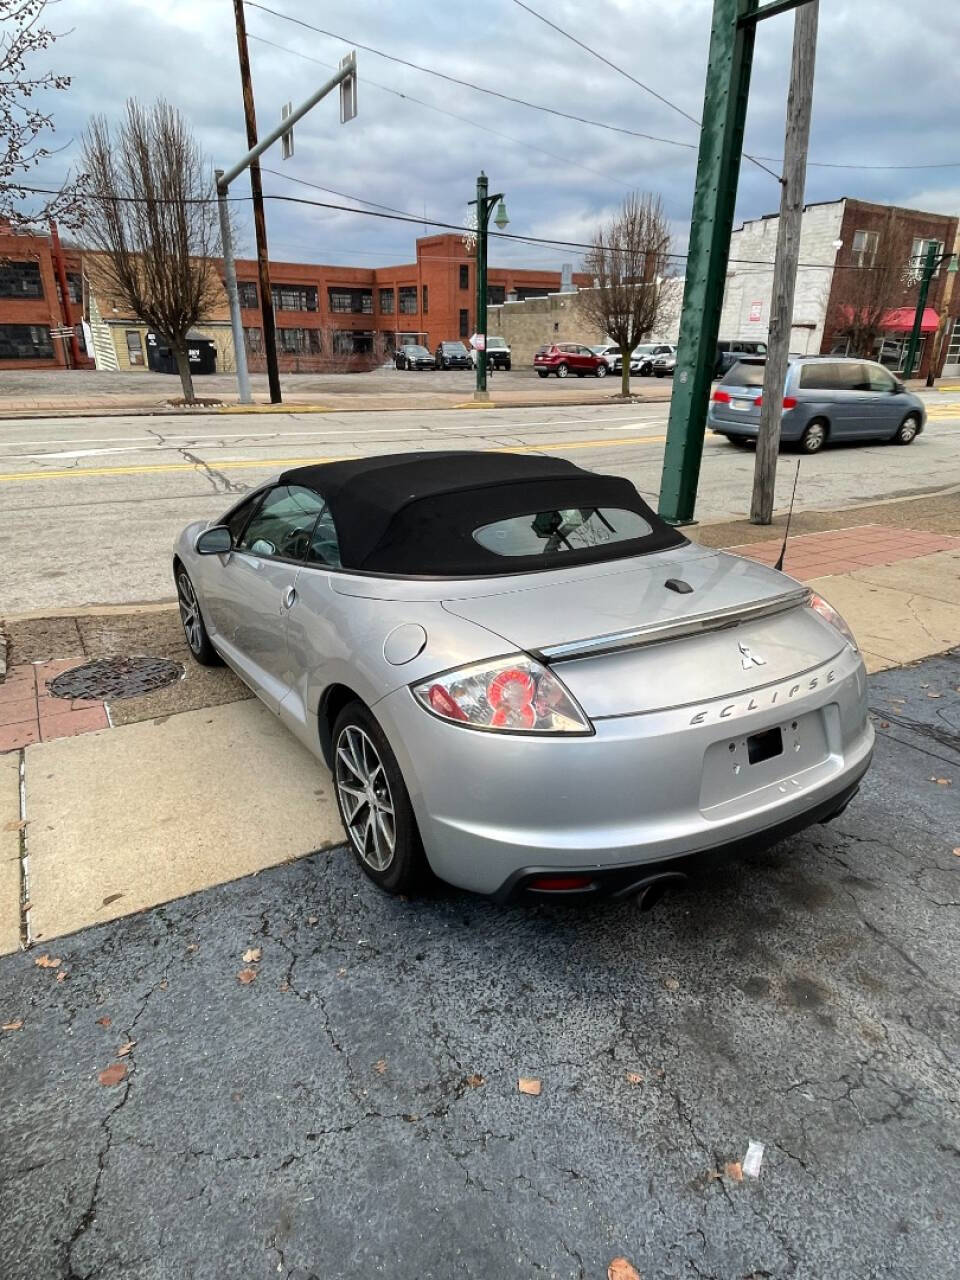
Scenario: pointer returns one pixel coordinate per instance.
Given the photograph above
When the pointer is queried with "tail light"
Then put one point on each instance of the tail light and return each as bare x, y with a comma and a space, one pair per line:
789, 402
829, 614
516, 695
560, 884
721, 397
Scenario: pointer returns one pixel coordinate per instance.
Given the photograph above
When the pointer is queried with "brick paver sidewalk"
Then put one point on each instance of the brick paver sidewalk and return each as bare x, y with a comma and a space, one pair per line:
30, 713
816, 555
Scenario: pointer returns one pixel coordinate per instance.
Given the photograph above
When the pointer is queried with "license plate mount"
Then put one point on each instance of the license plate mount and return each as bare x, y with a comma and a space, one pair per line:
742, 405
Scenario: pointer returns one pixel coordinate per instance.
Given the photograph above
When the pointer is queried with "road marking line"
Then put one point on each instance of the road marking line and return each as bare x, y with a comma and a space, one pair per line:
254, 464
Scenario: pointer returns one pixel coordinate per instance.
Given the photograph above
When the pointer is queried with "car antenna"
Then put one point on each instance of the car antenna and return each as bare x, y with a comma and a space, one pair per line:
786, 532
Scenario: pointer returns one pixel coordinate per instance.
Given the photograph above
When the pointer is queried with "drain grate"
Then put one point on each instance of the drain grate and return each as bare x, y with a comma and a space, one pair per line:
105, 678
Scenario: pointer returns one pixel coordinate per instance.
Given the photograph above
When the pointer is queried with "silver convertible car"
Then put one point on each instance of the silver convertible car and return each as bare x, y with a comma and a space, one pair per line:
520, 677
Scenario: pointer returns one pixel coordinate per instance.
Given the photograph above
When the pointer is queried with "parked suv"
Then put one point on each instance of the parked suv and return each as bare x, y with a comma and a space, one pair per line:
498, 353
564, 358
824, 398
452, 355
729, 352
643, 358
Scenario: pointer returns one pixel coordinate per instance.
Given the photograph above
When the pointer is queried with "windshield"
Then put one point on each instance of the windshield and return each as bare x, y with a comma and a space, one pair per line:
496, 342
553, 532
416, 351
744, 374
453, 346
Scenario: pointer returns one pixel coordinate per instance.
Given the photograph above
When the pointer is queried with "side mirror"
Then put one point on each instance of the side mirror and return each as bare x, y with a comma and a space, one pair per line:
898, 386
214, 542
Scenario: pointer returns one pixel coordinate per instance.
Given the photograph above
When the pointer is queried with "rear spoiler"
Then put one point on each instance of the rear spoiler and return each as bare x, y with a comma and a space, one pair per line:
658, 632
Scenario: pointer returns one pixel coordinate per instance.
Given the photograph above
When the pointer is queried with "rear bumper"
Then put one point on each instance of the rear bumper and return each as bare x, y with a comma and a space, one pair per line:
746, 425
640, 790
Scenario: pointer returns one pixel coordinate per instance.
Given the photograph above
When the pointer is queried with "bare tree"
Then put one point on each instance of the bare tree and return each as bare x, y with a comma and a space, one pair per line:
152, 216
23, 124
628, 261
867, 290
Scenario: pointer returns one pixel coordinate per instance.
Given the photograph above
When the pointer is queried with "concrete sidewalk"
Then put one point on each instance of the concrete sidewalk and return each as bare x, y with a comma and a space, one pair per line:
196, 784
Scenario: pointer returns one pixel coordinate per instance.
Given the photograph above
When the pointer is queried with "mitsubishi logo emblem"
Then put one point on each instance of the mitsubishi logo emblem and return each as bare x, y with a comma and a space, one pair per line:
749, 659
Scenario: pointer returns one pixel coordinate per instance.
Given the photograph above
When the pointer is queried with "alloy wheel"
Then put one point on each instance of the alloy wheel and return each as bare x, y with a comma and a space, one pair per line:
189, 612
814, 437
365, 799
908, 429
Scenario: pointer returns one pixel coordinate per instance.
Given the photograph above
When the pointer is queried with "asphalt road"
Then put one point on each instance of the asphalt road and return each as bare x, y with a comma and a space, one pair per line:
89, 507
354, 1109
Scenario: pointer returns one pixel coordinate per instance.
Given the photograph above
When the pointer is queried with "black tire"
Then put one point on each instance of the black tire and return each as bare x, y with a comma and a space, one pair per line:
563, 370
741, 442
507, 366
908, 430
814, 436
194, 627
543, 373
602, 370
659, 373
356, 730
646, 370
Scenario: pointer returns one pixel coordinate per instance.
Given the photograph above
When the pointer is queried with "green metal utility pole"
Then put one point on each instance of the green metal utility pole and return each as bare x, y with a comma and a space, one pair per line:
484, 205
718, 168
930, 264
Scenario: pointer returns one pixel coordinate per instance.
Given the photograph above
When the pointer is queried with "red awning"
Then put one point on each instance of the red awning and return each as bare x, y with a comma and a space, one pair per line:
903, 318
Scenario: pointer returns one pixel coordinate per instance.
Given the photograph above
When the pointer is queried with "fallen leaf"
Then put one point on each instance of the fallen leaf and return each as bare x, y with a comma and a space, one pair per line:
113, 1074
62, 975
734, 1169
162, 986
246, 976
191, 947
111, 897
672, 984
474, 1081
380, 1066
284, 986
621, 1269
634, 1077
341, 973
18, 824
252, 955
527, 1084
103, 1022
12, 1026
943, 782
934, 695
884, 724
956, 852
126, 1048
313, 919
48, 962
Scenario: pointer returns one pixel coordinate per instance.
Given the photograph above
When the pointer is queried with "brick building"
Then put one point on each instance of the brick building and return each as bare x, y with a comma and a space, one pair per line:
326, 316
837, 238
32, 302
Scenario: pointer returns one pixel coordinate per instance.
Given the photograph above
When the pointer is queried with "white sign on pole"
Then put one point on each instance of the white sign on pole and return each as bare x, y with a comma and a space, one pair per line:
286, 141
348, 89
478, 342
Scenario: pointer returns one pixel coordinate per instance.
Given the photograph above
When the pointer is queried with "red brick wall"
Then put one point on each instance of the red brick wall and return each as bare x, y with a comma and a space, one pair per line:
43, 311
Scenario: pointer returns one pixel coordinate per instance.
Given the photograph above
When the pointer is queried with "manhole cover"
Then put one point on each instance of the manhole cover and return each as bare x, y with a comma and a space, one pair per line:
115, 678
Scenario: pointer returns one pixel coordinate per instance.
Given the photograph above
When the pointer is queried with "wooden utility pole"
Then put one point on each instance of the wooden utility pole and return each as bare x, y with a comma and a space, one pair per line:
799, 105
259, 221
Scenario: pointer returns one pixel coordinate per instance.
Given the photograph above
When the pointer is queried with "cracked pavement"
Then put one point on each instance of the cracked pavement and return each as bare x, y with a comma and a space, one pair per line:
354, 1111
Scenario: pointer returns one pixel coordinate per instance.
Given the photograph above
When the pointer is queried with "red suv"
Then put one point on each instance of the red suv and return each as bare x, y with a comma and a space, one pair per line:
564, 358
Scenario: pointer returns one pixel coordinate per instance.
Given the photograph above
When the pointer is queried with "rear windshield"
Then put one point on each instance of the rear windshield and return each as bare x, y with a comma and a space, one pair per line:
567, 529
744, 374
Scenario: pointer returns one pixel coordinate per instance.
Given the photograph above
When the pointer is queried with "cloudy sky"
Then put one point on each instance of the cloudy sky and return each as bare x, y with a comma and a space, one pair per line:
887, 94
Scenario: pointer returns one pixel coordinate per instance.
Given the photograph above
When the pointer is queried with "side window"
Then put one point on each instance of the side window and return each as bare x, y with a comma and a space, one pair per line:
324, 545
283, 524
240, 516
821, 377
879, 379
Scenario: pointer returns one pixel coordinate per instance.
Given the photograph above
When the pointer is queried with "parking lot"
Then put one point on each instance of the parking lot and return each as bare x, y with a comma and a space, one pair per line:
294, 1075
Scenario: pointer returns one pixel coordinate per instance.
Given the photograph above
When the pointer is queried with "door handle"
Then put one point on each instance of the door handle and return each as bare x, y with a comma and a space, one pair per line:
289, 597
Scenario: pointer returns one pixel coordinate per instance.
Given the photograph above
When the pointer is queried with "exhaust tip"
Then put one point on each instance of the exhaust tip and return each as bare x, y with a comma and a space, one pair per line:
648, 893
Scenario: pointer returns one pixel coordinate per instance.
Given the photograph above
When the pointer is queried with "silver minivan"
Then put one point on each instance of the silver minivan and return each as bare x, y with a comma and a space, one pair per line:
824, 398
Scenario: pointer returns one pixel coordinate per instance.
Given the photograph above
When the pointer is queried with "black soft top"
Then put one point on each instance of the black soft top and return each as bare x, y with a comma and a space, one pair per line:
415, 513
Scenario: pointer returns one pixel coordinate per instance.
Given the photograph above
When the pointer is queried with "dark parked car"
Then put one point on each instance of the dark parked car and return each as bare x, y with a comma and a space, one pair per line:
565, 358
729, 352
413, 357
453, 355
824, 398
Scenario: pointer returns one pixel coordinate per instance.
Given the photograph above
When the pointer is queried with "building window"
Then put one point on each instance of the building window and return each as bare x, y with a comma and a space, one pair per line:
953, 351
425, 303
253, 340
75, 286
134, 348
918, 254
408, 300
355, 301
892, 352
294, 297
353, 342
464, 277
524, 294
299, 342
20, 280
464, 324
249, 298
496, 295
25, 342
386, 302
865, 244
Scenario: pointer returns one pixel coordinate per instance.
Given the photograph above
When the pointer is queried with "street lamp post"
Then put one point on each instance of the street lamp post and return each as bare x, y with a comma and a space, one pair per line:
485, 204
930, 265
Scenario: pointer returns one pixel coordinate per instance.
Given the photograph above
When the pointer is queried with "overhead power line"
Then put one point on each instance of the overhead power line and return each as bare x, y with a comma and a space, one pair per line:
554, 111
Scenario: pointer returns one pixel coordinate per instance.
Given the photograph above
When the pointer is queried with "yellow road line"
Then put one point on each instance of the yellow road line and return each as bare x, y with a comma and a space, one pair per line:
272, 464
